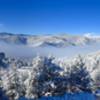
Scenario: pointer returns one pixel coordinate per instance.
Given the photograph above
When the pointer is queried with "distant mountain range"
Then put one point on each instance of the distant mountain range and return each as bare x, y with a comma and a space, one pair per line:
61, 40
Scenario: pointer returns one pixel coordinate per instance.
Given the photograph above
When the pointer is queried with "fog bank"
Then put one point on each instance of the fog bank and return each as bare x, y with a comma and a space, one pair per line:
25, 51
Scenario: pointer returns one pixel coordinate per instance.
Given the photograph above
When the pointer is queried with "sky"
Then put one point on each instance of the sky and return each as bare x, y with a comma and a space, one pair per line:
50, 16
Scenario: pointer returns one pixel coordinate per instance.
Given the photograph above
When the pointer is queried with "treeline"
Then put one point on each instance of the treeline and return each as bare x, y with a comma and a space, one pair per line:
45, 78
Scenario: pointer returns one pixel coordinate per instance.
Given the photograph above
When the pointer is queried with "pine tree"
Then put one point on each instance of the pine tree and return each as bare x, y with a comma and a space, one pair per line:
79, 76
45, 76
15, 86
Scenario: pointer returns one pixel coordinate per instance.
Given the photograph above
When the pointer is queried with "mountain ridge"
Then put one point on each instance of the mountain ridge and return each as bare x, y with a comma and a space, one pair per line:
48, 40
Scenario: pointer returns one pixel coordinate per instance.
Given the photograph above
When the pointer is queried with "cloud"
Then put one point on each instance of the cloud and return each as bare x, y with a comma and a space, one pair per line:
91, 35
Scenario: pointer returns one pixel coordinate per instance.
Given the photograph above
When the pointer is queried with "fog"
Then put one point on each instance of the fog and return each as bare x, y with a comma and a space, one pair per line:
24, 51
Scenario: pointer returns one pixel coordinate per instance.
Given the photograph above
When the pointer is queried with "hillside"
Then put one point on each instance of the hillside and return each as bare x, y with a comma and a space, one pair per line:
62, 40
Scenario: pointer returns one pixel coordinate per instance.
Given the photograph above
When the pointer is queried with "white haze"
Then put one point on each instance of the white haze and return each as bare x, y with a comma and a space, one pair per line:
24, 51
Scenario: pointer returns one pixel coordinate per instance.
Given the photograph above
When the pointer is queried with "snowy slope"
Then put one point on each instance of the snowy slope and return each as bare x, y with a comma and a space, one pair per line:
76, 96
62, 40
29, 46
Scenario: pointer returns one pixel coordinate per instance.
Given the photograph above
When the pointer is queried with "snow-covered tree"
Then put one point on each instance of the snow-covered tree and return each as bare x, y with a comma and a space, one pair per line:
13, 85
45, 78
79, 76
48, 76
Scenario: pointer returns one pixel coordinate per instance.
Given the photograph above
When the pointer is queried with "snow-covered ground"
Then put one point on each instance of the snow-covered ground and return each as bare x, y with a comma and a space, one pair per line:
76, 96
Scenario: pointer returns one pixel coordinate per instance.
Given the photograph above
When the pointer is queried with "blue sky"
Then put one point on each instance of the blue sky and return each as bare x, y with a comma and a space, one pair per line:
50, 16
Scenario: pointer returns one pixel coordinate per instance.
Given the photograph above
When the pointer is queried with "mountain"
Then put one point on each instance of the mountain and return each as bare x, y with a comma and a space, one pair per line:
48, 40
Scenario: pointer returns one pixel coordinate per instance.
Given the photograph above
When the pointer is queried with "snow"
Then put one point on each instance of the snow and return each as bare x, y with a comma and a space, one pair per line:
76, 96
64, 45
66, 96
91, 35
72, 73
51, 77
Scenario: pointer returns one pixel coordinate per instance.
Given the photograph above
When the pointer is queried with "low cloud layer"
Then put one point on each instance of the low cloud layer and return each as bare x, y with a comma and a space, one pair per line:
22, 51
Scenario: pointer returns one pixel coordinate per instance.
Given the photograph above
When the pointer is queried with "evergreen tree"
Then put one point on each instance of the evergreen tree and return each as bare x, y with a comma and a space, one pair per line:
79, 76
15, 87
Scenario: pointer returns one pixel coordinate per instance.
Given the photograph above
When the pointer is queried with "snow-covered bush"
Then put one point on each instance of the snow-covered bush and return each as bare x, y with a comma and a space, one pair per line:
46, 77
79, 76
12, 83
